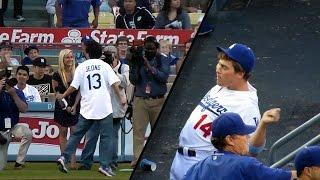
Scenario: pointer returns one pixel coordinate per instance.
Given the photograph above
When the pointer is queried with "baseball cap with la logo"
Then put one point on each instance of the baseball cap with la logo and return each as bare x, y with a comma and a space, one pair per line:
241, 54
40, 61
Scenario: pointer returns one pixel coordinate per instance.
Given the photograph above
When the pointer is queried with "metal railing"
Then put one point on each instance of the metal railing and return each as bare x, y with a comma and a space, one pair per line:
285, 139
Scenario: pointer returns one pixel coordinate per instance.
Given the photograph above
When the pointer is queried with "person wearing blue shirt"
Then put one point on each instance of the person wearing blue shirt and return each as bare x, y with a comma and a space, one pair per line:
74, 13
12, 102
307, 163
230, 135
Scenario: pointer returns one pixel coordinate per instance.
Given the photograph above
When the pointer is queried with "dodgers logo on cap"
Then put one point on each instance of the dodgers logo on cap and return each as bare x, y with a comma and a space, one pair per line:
240, 53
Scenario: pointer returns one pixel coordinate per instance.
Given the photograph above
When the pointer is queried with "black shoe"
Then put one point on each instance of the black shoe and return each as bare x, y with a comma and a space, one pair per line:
114, 166
83, 167
18, 166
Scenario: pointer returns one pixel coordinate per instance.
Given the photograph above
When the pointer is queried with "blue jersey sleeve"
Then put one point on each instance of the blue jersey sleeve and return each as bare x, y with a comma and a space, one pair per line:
256, 170
21, 95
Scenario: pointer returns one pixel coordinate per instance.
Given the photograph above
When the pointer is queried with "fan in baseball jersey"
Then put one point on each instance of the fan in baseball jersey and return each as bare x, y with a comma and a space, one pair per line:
228, 96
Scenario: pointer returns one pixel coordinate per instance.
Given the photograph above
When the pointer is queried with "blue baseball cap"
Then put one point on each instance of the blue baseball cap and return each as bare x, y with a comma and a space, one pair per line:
307, 157
86, 39
230, 124
240, 53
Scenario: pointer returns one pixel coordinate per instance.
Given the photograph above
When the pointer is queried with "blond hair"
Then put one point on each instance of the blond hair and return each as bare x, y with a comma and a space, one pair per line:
62, 69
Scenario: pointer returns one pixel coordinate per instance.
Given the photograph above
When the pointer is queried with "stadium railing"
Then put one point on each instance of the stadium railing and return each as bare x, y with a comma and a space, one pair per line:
290, 136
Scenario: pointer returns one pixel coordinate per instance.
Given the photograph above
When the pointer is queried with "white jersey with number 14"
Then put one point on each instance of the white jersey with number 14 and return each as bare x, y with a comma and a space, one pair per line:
196, 133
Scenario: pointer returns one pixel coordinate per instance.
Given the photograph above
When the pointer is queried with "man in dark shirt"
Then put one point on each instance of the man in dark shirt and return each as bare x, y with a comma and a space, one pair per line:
149, 74
133, 17
39, 79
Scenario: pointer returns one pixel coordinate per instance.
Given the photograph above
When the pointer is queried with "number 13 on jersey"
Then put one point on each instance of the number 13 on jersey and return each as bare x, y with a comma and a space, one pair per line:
205, 128
94, 81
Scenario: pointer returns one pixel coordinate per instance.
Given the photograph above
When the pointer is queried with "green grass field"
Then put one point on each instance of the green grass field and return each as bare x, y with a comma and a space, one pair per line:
49, 170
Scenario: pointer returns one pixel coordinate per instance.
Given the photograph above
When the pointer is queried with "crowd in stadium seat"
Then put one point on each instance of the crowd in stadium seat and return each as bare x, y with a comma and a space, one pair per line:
48, 76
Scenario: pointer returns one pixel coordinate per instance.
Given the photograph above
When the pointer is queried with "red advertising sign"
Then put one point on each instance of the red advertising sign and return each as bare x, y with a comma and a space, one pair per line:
44, 131
103, 36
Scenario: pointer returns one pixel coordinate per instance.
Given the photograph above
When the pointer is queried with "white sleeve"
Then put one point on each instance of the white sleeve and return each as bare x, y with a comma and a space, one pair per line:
77, 77
252, 116
111, 76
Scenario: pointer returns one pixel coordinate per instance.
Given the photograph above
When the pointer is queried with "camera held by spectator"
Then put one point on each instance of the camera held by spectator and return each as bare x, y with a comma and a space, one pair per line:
137, 53
6, 73
107, 57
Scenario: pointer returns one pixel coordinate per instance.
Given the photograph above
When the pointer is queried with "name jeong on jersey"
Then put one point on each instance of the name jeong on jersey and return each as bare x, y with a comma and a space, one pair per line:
92, 68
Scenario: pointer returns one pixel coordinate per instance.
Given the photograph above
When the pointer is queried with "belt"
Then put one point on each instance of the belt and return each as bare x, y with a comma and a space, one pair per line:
186, 151
152, 97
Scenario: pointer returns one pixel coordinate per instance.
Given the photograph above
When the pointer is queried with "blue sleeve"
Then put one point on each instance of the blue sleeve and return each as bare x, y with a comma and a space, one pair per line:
192, 173
256, 170
21, 95
162, 73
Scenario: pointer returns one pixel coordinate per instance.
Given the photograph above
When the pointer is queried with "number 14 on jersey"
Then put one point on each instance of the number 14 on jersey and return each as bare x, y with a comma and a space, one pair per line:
205, 128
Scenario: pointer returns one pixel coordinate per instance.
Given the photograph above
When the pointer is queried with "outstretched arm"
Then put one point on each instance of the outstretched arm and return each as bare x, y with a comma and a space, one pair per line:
259, 137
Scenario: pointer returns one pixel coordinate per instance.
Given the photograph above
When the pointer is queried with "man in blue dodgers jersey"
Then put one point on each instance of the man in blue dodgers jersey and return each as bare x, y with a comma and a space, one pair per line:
230, 162
74, 13
233, 93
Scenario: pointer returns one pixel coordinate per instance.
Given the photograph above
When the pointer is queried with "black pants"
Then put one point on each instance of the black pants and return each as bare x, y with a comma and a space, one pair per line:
17, 9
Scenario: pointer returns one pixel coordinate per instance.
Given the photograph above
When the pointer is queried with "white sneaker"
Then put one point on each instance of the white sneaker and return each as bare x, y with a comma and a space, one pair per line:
62, 165
107, 171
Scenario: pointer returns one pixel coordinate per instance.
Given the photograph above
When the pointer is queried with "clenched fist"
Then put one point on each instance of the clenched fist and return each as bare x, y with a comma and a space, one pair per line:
271, 116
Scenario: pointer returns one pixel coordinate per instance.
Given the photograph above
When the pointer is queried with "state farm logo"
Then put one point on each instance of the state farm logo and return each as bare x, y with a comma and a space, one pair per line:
74, 36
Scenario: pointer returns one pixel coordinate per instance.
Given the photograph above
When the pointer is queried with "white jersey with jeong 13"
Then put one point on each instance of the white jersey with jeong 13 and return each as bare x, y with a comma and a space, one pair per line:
94, 78
196, 133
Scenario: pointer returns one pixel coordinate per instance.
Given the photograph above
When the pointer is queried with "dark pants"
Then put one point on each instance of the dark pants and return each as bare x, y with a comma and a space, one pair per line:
17, 5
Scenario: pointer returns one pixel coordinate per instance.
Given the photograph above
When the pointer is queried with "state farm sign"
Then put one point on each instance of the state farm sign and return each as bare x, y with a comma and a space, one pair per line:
103, 36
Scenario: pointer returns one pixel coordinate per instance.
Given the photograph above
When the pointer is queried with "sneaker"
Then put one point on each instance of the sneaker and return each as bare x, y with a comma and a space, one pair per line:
62, 165
107, 171
205, 29
83, 167
18, 166
114, 166
20, 18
